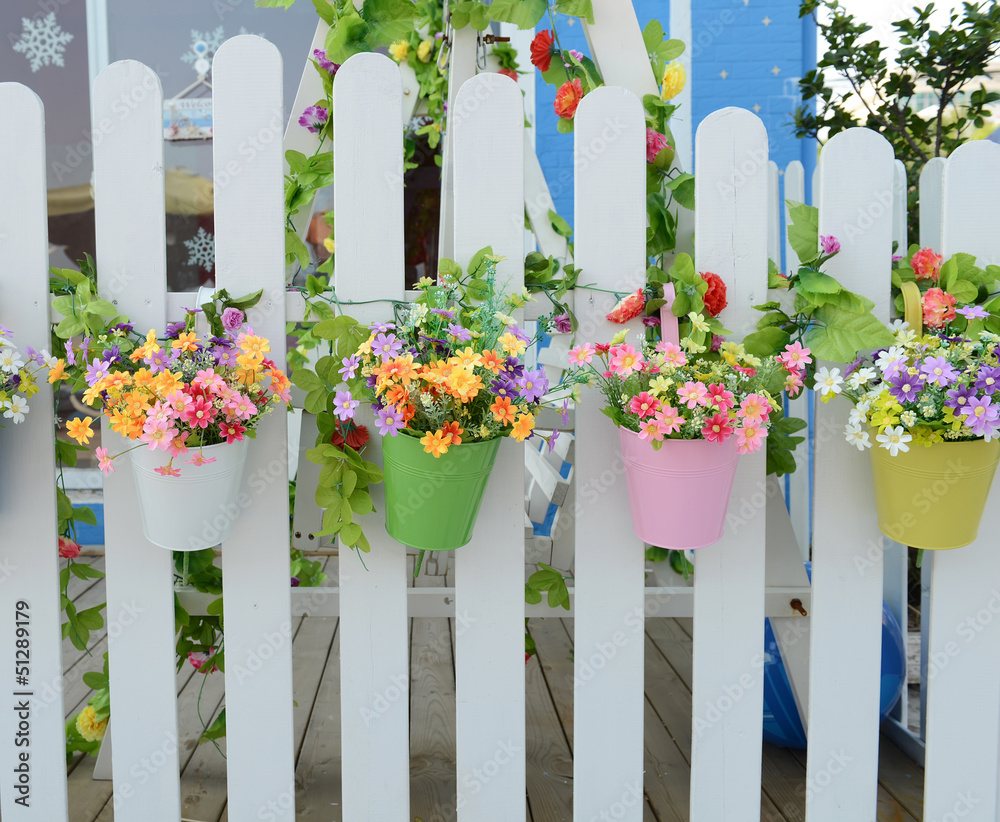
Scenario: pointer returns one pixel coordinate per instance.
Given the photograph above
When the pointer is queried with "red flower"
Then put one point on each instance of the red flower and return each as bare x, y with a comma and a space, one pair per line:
68, 549
628, 308
542, 49
568, 98
715, 297
354, 435
506, 72
926, 264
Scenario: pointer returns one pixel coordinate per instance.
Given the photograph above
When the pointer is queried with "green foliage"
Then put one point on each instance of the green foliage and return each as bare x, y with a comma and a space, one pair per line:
781, 443
547, 579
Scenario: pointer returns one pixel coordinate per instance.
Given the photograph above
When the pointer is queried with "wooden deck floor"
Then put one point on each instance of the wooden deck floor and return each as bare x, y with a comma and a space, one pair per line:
432, 732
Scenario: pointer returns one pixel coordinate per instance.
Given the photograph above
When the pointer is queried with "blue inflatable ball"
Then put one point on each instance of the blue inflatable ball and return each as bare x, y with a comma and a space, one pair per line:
783, 724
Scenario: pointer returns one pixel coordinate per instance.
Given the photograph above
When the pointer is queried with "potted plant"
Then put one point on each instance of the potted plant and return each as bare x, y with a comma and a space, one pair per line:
190, 405
925, 408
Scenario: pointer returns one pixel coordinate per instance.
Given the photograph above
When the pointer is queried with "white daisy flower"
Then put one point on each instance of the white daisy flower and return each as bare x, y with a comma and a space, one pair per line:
829, 381
894, 440
859, 414
10, 360
857, 436
17, 407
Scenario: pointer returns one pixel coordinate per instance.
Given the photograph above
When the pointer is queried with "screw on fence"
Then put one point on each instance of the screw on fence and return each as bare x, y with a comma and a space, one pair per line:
796, 605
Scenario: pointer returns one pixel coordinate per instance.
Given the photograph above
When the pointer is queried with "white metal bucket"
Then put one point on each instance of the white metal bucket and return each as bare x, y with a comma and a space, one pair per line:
197, 509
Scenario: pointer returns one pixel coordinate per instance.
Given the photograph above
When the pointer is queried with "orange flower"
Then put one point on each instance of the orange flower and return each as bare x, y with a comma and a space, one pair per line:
186, 341
455, 431
502, 411
407, 411
142, 378
464, 385
166, 382
436, 443
568, 98
79, 429
522, 428
396, 396
56, 372
405, 372
492, 360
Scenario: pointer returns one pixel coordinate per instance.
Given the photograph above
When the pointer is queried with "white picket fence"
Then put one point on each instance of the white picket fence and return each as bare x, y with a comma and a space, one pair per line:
735, 584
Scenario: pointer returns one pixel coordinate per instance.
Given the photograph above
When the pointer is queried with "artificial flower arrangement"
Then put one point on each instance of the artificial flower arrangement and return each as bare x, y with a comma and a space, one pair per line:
446, 382
18, 372
927, 409
194, 401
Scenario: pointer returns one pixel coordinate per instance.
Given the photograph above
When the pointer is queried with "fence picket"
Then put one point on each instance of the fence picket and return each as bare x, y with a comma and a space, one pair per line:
27, 483
731, 188
488, 122
131, 258
963, 713
855, 204
250, 255
608, 661
931, 185
774, 213
374, 687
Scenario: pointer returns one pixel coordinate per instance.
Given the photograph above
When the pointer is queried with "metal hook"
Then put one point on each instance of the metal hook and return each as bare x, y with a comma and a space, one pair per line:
796, 605
481, 55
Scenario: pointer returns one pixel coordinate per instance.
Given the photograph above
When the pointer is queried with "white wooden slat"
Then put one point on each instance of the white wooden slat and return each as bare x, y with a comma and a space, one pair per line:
931, 191
727, 683
33, 761
131, 259
682, 122
964, 628
308, 516
249, 222
608, 662
895, 594
538, 203
799, 501
855, 205
774, 213
374, 679
899, 209
487, 121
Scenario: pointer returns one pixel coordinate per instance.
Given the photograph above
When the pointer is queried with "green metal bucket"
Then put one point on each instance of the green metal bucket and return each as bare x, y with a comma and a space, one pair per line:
431, 503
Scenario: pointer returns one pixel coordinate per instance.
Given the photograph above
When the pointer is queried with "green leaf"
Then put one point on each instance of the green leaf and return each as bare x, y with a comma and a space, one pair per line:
91, 618
670, 50
652, 35
295, 249
531, 595
306, 380
803, 233
842, 334
217, 730
780, 445
767, 342
95, 680
326, 12
348, 37
477, 261
69, 327
574, 8
813, 280
559, 225
388, 20
214, 608
654, 554
361, 502
963, 291
525, 14
350, 534
682, 187
549, 579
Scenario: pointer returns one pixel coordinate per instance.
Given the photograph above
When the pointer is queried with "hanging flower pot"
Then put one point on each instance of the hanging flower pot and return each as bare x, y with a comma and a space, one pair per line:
933, 497
431, 503
189, 507
679, 494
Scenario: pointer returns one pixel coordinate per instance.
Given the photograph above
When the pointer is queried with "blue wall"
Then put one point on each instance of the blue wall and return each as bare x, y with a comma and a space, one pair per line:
746, 39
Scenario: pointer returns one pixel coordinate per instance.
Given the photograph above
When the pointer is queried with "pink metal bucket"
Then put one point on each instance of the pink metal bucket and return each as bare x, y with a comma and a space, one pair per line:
679, 495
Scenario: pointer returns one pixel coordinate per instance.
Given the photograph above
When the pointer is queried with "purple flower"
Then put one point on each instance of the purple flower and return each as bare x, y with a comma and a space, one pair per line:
34, 356
552, 439
652, 321
344, 405
173, 330
125, 328
981, 416
972, 312
897, 257
504, 387
563, 324
533, 385
191, 310
381, 328
112, 355
513, 367
986, 379
371, 380
564, 413
98, 369
457, 332
350, 367
389, 421
577, 54
958, 397
324, 63
519, 333
296, 582
444, 312
228, 343
225, 356
70, 355
232, 319
717, 341
158, 360
939, 371
314, 118
830, 244
905, 387
387, 346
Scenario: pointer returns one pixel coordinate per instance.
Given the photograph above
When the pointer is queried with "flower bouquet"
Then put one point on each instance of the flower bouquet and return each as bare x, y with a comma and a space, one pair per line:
684, 413
930, 404
190, 406
446, 382
17, 377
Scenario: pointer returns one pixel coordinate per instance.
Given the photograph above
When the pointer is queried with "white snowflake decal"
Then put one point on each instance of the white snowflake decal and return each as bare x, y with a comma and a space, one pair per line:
204, 44
42, 41
201, 250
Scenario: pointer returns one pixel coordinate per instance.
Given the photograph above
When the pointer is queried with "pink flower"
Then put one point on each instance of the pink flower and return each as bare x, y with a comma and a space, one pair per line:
168, 471
750, 437
926, 264
670, 419
178, 445
240, 406
793, 383
103, 461
68, 549
644, 404
655, 143
210, 381
673, 354
157, 434
755, 408
581, 354
939, 308
179, 403
693, 393
720, 398
160, 412
625, 359
830, 244
199, 658
628, 308
199, 414
718, 428
651, 429
200, 459
795, 357
232, 431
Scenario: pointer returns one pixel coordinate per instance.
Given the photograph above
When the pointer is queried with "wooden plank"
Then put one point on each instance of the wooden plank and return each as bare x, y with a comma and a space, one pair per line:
774, 213
30, 725
731, 240
308, 516
131, 243
899, 207
432, 715
931, 201
962, 767
368, 203
855, 205
250, 246
609, 613
488, 121
682, 122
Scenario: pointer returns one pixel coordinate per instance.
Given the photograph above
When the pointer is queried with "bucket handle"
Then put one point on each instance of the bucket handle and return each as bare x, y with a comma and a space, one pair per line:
668, 322
913, 311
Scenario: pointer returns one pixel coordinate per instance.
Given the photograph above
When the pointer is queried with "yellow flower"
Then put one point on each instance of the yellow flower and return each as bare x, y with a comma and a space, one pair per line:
674, 79
698, 321
659, 385
79, 429
56, 373
89, 726
522, 428
512, 345
691, 346
329, 244
399, 50
619, 338
425, 282
424, 51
